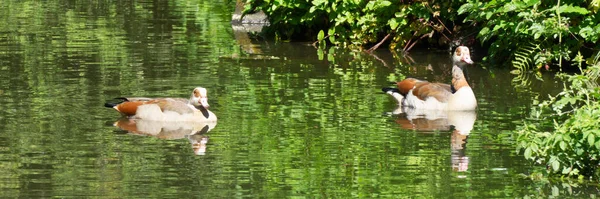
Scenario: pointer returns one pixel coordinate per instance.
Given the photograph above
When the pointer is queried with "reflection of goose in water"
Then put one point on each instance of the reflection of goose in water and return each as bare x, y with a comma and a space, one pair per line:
195, 132
460, 122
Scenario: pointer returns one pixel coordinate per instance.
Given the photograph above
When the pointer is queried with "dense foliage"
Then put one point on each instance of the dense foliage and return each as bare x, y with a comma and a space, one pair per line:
361, 23
535, 33
508, 28
572, 146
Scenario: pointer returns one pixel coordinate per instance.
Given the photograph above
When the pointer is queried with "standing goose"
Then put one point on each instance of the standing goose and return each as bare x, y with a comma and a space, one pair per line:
420, 94
167, 109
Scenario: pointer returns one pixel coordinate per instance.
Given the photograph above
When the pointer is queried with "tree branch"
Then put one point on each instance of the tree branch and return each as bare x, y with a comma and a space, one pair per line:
379, 44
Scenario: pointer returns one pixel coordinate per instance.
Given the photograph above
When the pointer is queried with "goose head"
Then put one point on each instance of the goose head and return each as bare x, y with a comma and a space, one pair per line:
461, 56
199, 97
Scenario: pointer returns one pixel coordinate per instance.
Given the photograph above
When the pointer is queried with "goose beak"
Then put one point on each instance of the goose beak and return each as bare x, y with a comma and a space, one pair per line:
204, 102
467, 59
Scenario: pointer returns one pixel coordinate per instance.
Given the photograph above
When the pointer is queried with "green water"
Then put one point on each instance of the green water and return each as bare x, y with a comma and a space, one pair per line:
293, 122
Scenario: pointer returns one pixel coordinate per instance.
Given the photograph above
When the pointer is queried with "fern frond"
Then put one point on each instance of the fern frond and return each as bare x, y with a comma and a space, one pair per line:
593, 72
523, 60
524, 57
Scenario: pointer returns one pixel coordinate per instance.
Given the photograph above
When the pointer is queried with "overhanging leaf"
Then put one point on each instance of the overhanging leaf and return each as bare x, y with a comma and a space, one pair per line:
573, 9
464, 8
321, 35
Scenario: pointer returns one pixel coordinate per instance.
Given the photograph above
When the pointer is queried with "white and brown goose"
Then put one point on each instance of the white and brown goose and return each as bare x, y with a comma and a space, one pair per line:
194, 109
420, 94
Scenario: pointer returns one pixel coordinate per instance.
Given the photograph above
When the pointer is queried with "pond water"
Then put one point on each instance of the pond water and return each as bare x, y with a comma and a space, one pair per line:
293, 121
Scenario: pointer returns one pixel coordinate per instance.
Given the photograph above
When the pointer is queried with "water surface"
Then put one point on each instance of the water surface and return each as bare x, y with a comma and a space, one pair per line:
293, 121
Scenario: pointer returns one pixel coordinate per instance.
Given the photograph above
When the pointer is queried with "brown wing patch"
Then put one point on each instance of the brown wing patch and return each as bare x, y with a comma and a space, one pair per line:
405, 85
424, 90
129, 108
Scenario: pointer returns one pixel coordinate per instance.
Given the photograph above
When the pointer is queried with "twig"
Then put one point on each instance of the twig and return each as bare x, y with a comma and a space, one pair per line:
443, 25
413, 44
315, 43
440, 32
379, 44
410, 40
406, 45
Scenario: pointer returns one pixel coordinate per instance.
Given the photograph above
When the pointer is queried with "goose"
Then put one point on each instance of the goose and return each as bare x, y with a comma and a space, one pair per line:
420, 94
166, 109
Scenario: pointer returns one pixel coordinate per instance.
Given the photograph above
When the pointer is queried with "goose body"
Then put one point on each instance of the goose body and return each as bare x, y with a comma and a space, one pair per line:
194, 109
420, 94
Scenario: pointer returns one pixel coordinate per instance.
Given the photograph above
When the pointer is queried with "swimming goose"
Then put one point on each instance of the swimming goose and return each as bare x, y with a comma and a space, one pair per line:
422, 94
167, 109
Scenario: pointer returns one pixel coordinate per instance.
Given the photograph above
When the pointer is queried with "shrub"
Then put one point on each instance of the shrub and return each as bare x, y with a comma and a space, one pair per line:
360, 23
571, 147
555, 30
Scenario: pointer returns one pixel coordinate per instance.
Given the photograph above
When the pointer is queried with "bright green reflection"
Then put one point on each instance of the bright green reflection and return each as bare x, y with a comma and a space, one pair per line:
290, 125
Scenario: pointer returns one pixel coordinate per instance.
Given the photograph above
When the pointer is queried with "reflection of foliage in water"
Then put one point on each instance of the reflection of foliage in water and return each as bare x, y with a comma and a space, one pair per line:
60, 60
287, 127
565, 188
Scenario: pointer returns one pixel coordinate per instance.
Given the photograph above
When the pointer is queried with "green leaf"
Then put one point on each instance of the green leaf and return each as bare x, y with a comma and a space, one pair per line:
586, 32
534, 147
393, 23
499, 26
563, 145
331, 33
510, 7
488, 15
573, 9
555, 165
484, 31
319, 2
527, 153
566, 170
465, 8
320, 36
385, 3
591, 139
529, 3
537, 29
557, 138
